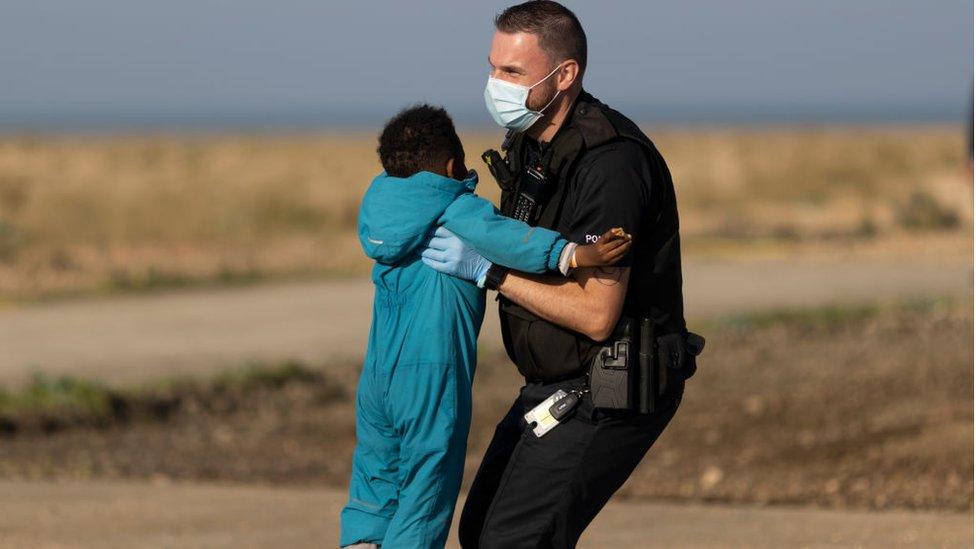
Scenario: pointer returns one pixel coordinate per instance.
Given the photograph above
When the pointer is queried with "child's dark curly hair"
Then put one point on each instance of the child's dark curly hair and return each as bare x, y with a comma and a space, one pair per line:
419, 138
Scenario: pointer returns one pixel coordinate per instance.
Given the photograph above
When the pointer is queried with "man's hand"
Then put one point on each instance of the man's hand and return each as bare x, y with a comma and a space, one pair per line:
449, 254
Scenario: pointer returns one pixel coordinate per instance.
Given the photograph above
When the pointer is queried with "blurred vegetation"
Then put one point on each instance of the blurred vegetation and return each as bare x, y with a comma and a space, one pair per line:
829, 317
143, 212
923, 211
257, 374
49, 404
62, 396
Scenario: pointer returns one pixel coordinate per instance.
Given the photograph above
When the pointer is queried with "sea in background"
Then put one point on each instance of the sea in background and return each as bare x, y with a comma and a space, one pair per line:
266, 118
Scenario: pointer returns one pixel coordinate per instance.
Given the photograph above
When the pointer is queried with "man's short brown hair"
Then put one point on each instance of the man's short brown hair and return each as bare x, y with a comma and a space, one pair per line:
559, 31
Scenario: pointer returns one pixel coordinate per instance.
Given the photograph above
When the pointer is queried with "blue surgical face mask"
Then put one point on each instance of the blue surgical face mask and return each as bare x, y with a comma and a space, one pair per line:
506, 103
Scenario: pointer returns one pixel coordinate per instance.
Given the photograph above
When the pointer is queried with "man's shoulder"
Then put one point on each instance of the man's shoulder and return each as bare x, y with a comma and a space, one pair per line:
629, 154
602, 125
612, 152
620, 159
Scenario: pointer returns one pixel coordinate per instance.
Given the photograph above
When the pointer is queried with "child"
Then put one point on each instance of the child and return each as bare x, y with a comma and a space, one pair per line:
413, 405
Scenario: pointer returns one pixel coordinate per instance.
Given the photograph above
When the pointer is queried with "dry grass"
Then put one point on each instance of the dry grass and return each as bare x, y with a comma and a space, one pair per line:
819, 182
89, 213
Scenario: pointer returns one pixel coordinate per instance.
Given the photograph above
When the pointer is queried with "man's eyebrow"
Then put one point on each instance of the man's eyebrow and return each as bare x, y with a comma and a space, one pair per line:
506, 68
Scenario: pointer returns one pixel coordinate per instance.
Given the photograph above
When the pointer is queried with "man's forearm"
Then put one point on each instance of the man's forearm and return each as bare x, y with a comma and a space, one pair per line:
589, 304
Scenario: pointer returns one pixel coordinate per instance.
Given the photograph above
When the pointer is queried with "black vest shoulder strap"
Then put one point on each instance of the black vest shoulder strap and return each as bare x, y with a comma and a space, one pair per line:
591, 124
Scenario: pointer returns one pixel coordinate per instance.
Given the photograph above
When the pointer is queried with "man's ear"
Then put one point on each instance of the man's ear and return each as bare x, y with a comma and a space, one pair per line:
449, 168
567, 76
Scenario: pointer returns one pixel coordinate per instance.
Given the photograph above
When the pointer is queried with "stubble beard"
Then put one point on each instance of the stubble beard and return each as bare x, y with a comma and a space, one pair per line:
536, 102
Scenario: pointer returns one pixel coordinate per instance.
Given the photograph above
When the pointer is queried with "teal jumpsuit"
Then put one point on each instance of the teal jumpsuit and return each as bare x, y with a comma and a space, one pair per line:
413, 404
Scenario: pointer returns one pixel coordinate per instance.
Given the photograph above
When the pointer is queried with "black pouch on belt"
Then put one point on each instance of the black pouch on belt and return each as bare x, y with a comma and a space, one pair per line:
665, 361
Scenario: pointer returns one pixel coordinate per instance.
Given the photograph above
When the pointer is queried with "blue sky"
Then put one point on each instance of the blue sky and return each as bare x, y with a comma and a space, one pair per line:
316, 63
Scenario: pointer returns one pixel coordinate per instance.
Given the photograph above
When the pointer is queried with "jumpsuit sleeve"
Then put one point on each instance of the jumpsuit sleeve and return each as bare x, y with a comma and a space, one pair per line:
503, 240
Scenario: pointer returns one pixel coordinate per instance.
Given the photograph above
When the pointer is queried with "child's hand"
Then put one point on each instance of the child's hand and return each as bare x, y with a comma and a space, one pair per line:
609, 249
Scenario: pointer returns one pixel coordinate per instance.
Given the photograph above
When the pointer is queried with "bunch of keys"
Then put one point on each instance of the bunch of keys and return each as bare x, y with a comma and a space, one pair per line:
550, 411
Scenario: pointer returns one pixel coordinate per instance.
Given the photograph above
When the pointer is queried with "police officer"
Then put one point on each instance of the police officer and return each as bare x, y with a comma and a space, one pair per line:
575, 165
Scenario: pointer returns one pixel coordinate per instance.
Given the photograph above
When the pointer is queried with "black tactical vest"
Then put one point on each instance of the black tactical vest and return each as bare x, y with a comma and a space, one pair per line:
542, 350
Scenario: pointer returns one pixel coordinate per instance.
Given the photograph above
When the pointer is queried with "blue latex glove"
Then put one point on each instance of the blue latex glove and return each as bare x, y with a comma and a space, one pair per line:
449, 254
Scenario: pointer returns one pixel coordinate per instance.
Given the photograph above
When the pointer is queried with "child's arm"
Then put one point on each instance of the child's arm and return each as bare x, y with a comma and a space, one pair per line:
516, 245
503, 240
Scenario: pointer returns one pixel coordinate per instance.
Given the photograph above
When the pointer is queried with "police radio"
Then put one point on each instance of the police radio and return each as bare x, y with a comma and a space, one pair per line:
531, 187
532, 191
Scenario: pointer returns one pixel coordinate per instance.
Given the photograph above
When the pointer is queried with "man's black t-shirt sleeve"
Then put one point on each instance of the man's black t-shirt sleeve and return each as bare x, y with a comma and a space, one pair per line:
610, 190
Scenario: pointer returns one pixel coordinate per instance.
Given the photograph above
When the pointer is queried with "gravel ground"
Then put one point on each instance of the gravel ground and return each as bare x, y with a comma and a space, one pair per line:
853, 408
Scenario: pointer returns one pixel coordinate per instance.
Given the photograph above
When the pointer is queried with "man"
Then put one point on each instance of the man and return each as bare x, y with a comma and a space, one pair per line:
574, 165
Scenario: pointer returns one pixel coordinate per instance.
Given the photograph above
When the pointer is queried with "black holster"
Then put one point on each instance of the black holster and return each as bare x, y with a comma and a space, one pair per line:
639, 370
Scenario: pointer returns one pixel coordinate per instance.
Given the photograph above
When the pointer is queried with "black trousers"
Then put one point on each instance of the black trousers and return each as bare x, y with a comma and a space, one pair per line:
533, 492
